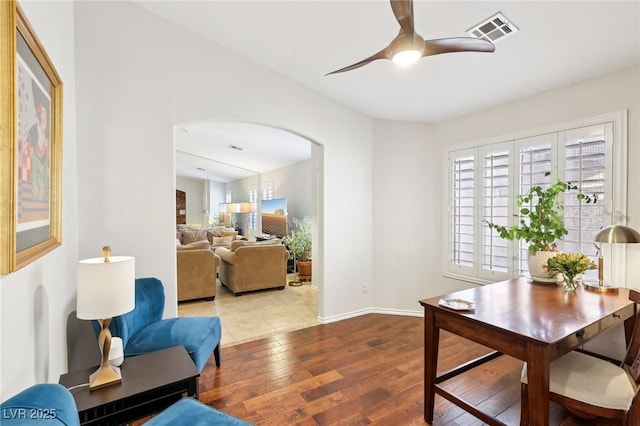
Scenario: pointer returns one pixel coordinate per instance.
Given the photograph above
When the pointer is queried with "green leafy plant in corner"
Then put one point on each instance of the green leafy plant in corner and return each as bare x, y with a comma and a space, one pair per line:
539, 210
299, 241
214, 221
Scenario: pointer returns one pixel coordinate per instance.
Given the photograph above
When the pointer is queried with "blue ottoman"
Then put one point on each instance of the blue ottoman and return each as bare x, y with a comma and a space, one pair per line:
190, 412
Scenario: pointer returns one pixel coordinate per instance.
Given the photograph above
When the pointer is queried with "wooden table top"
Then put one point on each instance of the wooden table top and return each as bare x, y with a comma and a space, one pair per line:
539, 312
139, 374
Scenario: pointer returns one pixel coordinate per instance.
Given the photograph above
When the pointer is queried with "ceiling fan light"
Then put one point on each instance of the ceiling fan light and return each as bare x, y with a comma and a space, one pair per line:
406, 57
406, 48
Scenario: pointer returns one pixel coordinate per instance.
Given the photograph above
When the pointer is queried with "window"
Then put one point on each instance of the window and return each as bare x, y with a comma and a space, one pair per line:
228, 197
267, 191
253, 199
461, 244
495, 209
483, 181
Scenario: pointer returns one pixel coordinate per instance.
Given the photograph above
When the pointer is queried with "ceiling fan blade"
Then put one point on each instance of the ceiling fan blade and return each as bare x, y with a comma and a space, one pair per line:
456, 44
403, 10
380, 55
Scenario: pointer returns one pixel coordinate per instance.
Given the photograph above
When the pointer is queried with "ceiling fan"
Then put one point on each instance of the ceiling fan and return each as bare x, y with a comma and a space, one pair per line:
408, 46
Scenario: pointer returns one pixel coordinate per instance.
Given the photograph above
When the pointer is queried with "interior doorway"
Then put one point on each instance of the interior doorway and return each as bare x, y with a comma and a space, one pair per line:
228, 158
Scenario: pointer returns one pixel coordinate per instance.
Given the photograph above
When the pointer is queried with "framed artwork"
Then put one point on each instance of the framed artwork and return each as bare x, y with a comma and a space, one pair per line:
31, 145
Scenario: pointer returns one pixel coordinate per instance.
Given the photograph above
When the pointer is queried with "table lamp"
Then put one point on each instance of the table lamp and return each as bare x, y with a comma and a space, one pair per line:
614, 234
106, 288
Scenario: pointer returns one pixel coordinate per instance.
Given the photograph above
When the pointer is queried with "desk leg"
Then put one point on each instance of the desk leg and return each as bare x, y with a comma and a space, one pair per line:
431, 342
538, 366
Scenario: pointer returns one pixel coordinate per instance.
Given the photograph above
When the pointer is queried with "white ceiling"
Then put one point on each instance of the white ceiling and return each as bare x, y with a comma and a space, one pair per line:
203, 150
559, 42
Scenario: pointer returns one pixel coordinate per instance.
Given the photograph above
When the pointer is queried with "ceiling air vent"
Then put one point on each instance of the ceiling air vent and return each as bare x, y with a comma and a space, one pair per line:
493, 29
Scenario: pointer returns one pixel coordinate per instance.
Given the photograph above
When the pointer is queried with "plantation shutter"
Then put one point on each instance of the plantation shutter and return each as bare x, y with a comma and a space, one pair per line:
461, 205
267, 191
585, 166
535, 160
484, 178
495, 209
253, 216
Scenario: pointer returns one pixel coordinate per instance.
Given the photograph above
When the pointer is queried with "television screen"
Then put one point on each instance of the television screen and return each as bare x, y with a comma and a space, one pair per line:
274, 217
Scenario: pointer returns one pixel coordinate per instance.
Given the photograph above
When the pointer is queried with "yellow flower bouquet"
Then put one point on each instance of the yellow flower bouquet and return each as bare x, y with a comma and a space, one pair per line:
569, 265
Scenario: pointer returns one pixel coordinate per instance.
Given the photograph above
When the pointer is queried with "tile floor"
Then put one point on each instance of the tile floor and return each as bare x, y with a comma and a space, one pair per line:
258, 314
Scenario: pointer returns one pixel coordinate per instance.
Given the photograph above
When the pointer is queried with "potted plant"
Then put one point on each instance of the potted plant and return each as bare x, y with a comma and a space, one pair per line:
541, 224
299, 245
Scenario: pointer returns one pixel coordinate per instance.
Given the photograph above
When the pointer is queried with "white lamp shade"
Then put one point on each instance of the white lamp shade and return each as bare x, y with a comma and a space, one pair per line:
246, 208
106, 289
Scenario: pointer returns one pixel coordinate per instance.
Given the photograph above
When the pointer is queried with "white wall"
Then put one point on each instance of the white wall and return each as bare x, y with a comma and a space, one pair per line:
217, 193
194, 192
150, 74
407, 237
36, 300
294, 183
240, 188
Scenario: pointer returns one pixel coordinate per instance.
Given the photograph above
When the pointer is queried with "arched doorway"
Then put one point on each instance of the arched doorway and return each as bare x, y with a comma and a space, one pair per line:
233, 158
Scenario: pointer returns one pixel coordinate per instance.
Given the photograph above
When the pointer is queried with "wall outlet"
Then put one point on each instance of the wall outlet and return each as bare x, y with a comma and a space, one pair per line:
365, 287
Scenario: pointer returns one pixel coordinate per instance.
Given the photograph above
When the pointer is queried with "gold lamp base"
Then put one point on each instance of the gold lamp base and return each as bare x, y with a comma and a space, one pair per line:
106, 374
600, 288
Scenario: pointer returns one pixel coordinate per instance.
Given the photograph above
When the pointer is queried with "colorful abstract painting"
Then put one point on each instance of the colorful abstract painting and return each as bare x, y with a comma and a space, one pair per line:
33, 132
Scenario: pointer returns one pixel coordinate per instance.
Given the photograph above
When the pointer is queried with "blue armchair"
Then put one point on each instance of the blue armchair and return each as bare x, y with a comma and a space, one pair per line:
143, 329
52, 404
43, 404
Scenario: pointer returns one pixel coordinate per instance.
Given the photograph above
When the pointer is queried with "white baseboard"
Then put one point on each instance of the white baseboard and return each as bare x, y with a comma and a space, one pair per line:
385, 311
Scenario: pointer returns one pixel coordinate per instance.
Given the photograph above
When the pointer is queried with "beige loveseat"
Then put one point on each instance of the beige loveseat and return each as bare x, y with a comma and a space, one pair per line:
249, 266
197, 269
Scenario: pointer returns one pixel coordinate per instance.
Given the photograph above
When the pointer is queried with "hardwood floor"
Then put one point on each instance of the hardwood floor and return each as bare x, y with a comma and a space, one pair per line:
360, 371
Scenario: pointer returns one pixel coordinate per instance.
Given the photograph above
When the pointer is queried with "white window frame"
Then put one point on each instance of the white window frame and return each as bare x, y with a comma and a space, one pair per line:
616, 208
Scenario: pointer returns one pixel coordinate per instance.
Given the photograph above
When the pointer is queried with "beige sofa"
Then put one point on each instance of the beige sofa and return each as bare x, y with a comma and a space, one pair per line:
197, 269
248, 266
217, 237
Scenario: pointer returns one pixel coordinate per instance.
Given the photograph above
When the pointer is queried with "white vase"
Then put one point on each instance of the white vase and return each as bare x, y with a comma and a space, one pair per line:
536, 261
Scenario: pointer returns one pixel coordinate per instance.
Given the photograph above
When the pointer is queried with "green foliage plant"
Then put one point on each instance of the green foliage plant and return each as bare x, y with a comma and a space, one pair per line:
299, 241
540, 221
214, 221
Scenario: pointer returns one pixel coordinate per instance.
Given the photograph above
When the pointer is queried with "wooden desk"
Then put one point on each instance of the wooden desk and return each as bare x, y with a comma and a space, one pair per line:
536, 323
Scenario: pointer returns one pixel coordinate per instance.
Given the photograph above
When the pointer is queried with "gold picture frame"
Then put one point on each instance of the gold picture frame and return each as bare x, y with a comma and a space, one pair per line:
30, 144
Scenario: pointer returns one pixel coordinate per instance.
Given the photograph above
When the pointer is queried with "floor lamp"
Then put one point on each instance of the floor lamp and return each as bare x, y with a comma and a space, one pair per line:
106, 288
614, 234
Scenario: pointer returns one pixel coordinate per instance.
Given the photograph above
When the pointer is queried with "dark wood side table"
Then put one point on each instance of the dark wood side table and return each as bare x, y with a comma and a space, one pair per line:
150, 383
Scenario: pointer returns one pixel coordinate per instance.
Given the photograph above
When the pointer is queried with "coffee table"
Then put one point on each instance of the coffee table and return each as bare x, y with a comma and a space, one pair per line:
150, 383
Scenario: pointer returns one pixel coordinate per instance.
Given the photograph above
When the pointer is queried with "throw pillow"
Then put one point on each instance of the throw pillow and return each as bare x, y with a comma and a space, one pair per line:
221, 241
227, 233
